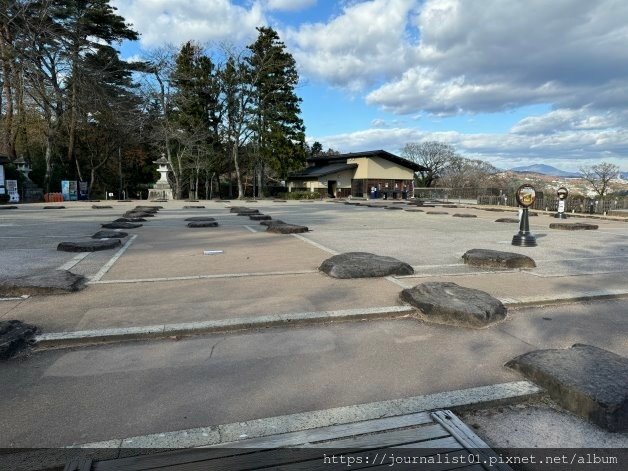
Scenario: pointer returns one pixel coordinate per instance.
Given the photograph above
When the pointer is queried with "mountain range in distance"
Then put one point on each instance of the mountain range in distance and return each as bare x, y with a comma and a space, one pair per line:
545, 170
553, 171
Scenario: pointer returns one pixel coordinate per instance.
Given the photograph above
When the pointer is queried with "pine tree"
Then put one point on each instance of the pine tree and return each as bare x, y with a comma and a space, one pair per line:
279, 129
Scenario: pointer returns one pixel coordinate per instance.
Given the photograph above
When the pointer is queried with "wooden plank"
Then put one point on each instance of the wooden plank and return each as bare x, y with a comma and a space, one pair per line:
443, 445
389, 438
160, 460
140, 463
467, 437
448, 442
331, 432
79, 464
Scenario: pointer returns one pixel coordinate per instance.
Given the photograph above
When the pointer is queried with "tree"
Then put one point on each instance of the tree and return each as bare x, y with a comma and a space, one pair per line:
468, 173
435, 156
237, 97
86, 26
278, 127
195, 113
599, 176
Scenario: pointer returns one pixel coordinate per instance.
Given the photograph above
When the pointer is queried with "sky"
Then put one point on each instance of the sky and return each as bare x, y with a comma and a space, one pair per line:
511, 82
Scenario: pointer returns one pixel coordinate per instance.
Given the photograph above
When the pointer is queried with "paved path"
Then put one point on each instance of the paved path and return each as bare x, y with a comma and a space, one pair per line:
115, 391
162, 277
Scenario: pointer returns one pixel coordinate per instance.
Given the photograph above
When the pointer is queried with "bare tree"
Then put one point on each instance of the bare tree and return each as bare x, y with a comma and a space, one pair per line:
599, 176
468, 173
434, 155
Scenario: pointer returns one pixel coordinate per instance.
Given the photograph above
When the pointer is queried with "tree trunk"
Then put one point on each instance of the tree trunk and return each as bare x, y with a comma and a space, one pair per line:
7, 90
237, 170
48, 159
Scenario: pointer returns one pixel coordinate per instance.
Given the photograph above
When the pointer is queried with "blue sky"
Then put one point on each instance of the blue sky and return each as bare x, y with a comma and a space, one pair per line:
508, 81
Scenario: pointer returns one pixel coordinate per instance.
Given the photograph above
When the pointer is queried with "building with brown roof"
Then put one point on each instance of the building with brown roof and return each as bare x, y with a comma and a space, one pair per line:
357, 174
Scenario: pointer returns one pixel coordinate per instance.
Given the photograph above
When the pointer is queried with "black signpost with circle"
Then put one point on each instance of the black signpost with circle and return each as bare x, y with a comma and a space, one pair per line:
526, 195
562, 194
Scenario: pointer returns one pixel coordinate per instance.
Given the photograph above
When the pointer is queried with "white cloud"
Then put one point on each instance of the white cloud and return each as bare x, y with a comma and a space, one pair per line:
566, 149
357, 48
177, 21
289, 5
500, 54
568, 119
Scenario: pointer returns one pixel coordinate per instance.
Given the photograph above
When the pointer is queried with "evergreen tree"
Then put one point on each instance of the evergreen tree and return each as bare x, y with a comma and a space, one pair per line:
279, 129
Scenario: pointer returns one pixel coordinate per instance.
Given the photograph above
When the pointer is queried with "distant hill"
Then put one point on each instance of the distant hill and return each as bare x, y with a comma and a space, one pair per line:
544, 170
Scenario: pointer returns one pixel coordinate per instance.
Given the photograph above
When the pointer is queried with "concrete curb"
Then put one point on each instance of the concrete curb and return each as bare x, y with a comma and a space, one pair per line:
230, 434
161, 331
598, 295
87, 337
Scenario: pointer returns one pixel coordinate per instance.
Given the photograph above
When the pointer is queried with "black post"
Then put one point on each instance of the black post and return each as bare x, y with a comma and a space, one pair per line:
526, 195
524, 238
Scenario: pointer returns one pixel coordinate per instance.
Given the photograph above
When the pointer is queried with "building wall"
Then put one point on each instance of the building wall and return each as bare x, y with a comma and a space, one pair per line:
378, 168
343, 180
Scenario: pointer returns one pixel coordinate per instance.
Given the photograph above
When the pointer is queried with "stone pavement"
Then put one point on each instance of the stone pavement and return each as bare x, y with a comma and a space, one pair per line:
161, 275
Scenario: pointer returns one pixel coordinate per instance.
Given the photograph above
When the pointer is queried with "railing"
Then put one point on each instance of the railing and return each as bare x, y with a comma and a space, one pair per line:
579, 205
454, 193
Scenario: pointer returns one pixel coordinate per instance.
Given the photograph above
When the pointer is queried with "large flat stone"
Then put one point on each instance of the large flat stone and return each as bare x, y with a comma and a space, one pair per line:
89, 245
138, 214
437, 212
129, 220
121, 225
573, 226
286, 229
101, 206
248, 212
508, 220
497, 259
193, 207
586, 380
110, 235
449, 303
52, 282
260, 217
148, 209
7, 207
364, 265
15, 336
54, 207
203, 224
271, 223
464, 215
199, 219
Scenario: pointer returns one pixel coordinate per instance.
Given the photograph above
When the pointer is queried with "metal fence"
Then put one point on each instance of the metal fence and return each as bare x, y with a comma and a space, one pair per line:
455, 193
578, 205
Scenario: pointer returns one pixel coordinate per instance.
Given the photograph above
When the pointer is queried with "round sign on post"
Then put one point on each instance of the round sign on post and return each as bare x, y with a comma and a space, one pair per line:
562, 194
526, 196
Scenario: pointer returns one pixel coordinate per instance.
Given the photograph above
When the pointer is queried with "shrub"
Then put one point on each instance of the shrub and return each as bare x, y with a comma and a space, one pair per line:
302, 195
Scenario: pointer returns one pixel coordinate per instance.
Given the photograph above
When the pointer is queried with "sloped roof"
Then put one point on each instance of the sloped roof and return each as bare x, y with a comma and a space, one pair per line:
371, 153
322, 170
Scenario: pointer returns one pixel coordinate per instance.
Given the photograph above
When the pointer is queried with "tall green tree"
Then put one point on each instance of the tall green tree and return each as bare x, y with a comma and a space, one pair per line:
196, 113
279, 129
237, 95
85, 26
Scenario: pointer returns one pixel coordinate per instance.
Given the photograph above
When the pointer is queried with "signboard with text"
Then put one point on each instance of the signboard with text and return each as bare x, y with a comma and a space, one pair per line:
69, 190
14, 195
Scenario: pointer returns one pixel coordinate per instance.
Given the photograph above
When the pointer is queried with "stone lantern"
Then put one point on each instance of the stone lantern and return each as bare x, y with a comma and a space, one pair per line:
161, 190
23, 166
